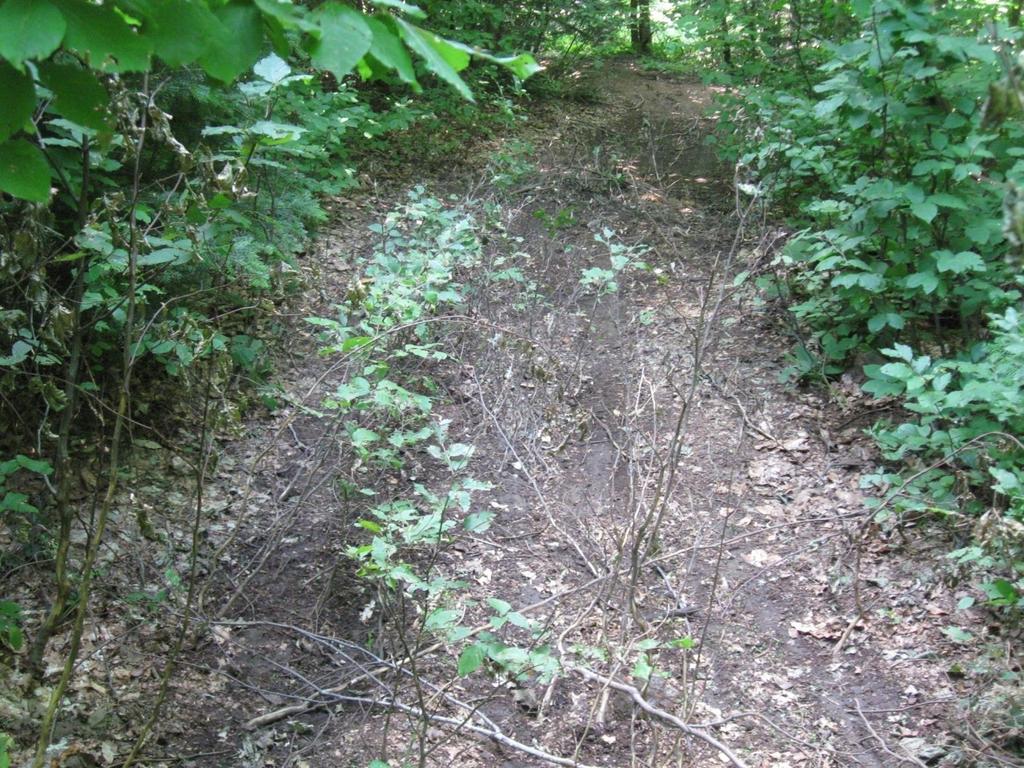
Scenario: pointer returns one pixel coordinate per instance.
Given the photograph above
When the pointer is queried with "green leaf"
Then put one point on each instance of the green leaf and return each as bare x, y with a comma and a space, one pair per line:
478, 522
880, 321
471, 659
830, 105
344, 38
1006, 482
272, 133
511, 658
358, 387
39, 466
362, 437
389, 51
1000, 592
355, 342
272, 68
965, 261
980, 232
19, 100
642, 669
165, 22
522, 66
19, 352
163, 256
880, 388
29, 29
441, 57
17, 502
24, 172
946, 200
957, 635
440, 619
926, 281
499, 605
286, 14
925, 211
900, 371
240, 46
78, 95
370, 526
15, 638
103, 37
517, 619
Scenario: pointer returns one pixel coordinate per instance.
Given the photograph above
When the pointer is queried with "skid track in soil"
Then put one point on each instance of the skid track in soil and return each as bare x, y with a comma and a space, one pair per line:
726, 527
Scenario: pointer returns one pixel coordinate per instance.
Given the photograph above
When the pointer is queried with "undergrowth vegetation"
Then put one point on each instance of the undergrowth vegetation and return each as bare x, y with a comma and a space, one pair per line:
164, 167
892, 144
900, 166
390, 333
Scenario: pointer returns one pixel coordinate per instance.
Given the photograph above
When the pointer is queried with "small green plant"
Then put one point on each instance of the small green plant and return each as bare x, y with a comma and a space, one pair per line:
511, 661
968, 412
16, 509
602, 280
6, 745
512, 165
562, 219
10, 626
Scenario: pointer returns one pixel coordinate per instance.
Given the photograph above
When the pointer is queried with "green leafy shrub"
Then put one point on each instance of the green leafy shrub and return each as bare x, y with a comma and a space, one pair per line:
899, 164
969, 412
899, 181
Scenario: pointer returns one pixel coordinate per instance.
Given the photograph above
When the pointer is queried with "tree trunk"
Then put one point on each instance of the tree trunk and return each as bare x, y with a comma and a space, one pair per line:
724, 27
640, 26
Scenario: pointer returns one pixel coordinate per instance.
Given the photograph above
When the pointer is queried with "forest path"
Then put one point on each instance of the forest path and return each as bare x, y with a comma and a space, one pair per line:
683, 519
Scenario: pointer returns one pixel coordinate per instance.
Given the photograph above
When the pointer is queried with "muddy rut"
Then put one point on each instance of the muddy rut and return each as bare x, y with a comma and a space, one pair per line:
675, 519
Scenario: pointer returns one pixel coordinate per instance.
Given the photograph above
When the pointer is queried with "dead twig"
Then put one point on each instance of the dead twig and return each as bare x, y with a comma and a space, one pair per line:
697, 731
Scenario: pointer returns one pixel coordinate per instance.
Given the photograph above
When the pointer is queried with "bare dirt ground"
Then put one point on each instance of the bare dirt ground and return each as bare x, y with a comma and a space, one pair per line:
682, 526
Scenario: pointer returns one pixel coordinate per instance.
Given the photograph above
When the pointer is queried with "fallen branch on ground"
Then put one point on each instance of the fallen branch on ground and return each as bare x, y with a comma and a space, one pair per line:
696, 731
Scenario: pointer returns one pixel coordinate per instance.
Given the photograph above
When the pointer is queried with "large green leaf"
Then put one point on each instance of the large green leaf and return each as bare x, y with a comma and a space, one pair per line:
103, 37
272, 68
241, 45
286, 14
344, 38
29, 29
522, 66
471, 659
23, 171
389, 51
925, 211
78, 95
441, 57
965, 261
19, 99
180, 30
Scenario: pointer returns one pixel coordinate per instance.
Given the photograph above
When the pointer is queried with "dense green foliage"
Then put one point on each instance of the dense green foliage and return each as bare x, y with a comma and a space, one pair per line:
894, 148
